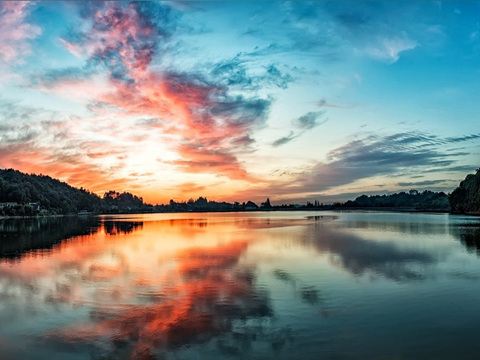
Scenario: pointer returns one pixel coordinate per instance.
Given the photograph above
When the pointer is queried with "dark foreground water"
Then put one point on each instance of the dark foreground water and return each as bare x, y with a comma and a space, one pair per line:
241, 286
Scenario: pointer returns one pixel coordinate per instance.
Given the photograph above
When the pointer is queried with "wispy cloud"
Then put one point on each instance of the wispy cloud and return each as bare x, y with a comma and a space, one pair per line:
309, 120
420, 183
337, 31
406, 154
16, 31
240, 72
303, 123
123, 37
36, 140
324, 103
197, 159
389, 48
284, 140
379, 155
30, 157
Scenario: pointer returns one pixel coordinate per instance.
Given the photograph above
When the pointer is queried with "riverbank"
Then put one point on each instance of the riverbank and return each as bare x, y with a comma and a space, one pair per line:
346, 209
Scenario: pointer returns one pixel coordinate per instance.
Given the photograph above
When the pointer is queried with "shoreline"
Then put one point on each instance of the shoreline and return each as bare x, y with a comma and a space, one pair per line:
366, 209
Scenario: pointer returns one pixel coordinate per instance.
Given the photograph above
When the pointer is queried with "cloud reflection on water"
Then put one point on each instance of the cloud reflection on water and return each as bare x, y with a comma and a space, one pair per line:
146, 296
213, 294
136, 289
359, 256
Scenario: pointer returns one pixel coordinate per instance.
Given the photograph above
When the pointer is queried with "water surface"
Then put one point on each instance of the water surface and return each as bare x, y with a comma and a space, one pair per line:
286, 285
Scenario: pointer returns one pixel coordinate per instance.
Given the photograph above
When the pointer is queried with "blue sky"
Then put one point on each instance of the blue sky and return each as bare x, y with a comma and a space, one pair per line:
242, 100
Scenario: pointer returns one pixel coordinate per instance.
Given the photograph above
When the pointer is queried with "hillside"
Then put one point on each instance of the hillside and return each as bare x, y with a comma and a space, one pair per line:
35, 193
465, 199
25, 195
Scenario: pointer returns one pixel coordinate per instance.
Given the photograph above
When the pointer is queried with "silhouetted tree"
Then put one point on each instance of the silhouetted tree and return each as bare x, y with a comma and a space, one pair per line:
266, 204
251, 205
466, 197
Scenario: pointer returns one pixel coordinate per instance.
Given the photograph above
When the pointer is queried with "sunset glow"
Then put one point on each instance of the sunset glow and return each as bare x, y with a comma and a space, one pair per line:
240, 101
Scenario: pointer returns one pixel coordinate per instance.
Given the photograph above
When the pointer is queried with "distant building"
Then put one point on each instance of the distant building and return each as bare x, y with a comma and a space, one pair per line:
35, 205
7, 204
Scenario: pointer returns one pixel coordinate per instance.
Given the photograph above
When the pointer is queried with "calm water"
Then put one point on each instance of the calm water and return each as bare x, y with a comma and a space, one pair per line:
241, 286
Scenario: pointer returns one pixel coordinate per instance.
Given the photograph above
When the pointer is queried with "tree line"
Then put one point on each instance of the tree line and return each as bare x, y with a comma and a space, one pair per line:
415, 200
29, 195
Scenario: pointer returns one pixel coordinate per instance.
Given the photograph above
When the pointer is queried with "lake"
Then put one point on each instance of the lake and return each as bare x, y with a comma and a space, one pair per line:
256, 285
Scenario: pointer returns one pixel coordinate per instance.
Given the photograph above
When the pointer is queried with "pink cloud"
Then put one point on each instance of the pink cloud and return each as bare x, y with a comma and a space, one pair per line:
120, 37
212, 125
197, 159
190, 108
15, 32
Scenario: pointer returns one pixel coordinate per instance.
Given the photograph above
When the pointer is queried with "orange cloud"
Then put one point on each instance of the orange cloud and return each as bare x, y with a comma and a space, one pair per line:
211, 161
213, 124
69, 168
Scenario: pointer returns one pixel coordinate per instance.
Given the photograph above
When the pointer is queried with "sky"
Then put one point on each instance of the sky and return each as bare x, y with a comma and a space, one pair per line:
240, 101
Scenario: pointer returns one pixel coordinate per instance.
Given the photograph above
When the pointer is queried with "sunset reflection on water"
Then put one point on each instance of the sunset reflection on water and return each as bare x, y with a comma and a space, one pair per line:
148, 285
201, 286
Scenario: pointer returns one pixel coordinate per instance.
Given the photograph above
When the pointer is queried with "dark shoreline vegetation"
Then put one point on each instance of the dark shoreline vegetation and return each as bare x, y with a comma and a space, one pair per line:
36, 195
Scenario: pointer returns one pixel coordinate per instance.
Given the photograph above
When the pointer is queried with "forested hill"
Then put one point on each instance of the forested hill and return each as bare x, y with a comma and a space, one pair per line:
33, 193
425, 200
22, 194
466, 197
